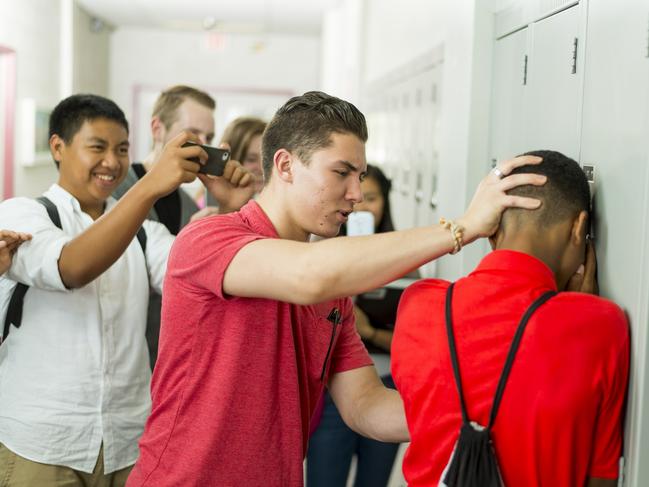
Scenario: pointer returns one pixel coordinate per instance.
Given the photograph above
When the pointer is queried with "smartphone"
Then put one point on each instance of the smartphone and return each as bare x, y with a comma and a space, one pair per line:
216, 159
360, 223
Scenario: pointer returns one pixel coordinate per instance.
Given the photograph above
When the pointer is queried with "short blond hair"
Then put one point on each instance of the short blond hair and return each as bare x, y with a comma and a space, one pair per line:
169, 100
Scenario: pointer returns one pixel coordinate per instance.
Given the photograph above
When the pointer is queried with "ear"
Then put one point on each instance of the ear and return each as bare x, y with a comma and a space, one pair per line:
492, 242
57, 144
283, 165
497, 238
579, 228
157, 130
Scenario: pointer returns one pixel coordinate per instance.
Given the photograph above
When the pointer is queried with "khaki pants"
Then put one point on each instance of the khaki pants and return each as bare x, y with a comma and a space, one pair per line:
16, 471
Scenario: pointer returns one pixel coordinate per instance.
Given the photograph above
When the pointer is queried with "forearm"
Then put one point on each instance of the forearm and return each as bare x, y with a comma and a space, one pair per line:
308, 273
380, 415
353, 265
88, 255
381, 338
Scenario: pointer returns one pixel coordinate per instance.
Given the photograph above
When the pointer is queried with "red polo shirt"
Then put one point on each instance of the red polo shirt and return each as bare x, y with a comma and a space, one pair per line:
237, 379
560, 417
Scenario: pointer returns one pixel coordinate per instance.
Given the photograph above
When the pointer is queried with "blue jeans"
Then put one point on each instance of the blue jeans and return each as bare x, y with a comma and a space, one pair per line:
333, 445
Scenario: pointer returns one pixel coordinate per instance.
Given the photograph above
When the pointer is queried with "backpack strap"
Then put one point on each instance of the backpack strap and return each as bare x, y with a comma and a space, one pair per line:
141, 238
512, 353
15, 309
510, 356
453, 350
52, 210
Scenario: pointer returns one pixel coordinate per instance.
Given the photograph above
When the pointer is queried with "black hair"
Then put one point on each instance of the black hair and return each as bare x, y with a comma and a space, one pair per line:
385, 186
70, 114
305, 123
564, 195
373, 172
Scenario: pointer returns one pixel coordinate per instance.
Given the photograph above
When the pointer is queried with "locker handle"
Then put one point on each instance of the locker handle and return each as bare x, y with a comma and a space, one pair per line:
433, 202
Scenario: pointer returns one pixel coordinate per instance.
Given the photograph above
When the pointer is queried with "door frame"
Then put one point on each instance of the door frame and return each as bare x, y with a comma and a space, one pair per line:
8, 59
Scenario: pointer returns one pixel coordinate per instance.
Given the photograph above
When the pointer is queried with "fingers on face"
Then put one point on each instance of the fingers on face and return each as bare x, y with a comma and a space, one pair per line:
246, 180
590, 266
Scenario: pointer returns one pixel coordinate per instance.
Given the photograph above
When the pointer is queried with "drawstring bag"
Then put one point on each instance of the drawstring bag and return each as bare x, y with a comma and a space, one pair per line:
473, 462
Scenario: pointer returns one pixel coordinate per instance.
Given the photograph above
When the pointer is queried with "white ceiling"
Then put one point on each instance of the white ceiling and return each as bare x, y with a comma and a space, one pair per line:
245, 16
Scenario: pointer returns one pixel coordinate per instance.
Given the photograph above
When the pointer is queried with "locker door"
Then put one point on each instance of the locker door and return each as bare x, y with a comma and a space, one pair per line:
406, 219
427, 148
553, 84
428, 87
614, 140
508, 96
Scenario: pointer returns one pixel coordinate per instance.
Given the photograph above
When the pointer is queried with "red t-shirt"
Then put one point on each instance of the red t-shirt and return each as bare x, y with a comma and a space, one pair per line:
559, 421
237, 379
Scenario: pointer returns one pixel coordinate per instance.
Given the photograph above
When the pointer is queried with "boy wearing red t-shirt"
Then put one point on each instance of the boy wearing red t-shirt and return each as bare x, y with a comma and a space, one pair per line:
255, 322
560, 419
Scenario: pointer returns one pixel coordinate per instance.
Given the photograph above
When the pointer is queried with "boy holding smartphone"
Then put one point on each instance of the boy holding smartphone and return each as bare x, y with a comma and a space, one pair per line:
74, 377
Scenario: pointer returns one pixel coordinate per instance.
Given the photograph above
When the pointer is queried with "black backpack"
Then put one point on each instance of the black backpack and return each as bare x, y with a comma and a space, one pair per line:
473, 462
15, 308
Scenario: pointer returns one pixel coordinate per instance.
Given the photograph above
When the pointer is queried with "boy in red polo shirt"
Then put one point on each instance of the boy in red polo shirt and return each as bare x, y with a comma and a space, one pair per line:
560, 419
254, 319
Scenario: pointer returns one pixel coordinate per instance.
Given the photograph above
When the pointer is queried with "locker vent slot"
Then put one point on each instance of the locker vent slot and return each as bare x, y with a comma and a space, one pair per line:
509, 20
552, 6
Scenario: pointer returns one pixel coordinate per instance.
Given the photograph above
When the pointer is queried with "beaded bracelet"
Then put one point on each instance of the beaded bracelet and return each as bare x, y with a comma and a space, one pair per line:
456, 231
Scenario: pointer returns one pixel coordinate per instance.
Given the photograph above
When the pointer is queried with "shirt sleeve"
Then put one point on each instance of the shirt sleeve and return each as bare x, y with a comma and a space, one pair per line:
204, 249
36, 263
349, 353
608, 430
158, 245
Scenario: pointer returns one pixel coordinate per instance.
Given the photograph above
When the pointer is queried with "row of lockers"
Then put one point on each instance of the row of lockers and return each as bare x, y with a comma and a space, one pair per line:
577, 81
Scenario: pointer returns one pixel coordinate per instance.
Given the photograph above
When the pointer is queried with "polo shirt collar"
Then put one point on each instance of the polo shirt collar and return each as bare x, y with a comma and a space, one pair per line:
518, 263
258, 220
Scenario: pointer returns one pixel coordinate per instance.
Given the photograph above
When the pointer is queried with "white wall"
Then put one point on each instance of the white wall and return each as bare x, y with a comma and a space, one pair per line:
31, 28
155, 59
91, 53
394, 33
343, 34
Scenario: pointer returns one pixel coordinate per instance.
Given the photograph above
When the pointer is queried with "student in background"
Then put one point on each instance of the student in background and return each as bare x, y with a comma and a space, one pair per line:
243, 137
333, 444
74, 376
9, 243
177, 109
